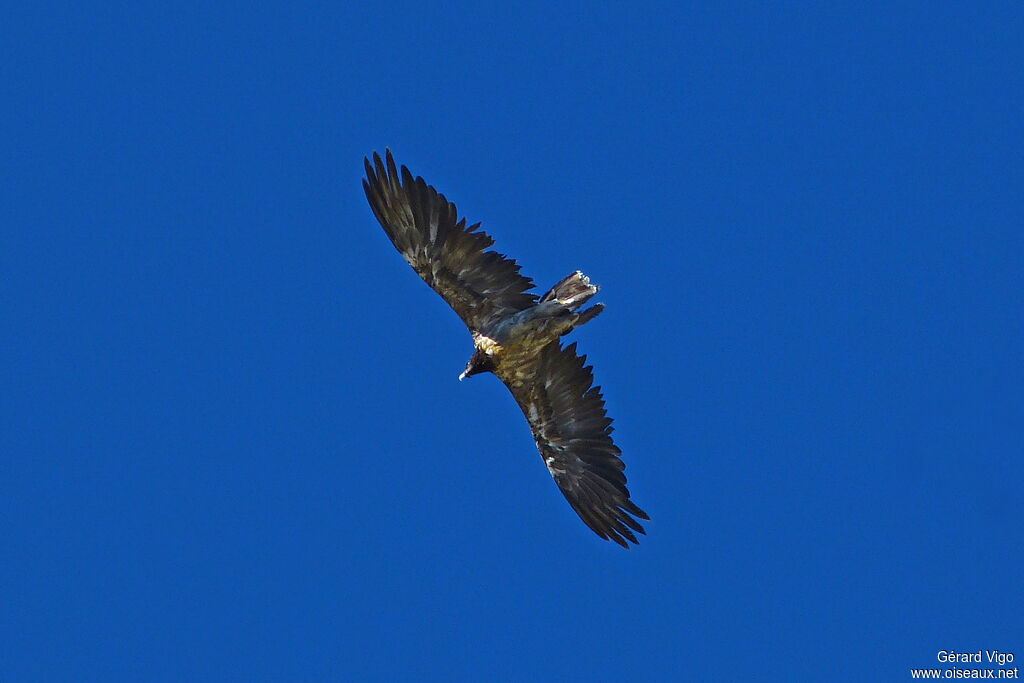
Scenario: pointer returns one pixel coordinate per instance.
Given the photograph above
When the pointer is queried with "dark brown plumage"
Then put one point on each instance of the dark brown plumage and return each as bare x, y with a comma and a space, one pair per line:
517, 337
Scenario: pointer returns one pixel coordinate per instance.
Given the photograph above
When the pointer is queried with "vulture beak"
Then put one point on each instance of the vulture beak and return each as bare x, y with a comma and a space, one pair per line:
462, 376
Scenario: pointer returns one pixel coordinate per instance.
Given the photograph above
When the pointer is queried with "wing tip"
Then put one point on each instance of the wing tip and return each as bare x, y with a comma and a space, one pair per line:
380, 167
611, 520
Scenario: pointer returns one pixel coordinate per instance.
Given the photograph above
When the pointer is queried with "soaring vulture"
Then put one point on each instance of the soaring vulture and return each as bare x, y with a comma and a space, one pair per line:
517, 337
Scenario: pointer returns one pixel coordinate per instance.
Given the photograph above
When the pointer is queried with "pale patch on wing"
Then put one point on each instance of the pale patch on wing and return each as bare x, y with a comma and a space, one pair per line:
534, 416
551, 462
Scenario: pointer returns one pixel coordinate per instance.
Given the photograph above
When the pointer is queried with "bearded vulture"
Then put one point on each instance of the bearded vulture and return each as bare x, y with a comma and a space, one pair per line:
517, 337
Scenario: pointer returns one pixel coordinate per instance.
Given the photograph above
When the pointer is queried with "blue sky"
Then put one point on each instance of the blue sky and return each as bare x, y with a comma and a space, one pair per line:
232, 443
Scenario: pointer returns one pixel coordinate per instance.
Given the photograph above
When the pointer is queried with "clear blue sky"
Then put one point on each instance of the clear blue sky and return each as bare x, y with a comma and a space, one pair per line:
232, 442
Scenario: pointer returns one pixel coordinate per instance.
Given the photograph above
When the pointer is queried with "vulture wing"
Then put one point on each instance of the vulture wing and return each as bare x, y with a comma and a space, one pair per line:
573, 432
452, 258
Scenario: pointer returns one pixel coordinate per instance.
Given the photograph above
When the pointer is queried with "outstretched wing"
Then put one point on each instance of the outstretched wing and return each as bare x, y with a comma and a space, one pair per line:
573, 432
480, 285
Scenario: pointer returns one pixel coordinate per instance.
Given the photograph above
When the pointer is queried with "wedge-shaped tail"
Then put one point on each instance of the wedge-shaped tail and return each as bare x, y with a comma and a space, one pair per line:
573, 292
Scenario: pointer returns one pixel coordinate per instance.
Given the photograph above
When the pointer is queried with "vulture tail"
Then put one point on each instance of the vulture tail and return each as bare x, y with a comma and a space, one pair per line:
573, 292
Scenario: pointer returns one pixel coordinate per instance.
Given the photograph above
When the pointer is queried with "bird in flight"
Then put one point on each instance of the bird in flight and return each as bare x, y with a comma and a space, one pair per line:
517, 336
